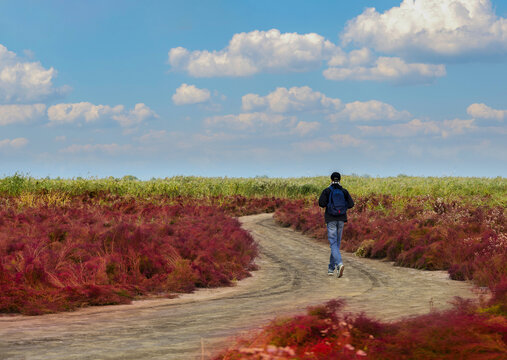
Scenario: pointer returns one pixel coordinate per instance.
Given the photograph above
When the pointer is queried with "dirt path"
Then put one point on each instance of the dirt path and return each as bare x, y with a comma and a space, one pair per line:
292, 276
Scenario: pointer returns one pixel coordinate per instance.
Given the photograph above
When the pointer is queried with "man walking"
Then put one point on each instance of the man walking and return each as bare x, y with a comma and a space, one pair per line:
336, 200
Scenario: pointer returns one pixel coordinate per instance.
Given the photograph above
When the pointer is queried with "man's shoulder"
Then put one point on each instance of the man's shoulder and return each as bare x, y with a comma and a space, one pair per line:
325, 192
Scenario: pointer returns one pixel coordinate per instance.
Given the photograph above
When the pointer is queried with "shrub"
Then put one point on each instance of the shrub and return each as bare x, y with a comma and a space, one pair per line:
470, 241
97, 252
325, 333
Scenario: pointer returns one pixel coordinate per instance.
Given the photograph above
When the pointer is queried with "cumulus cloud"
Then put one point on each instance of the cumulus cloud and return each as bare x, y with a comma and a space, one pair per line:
68, 113
272, 51
369, 111
305, 127
189, 94
23, 81
439, 28
210, 137
91, 148
284, 100
247, 120
393, 69
13, 143
346, 140
253, 52
314, 146
331, 143
456, 126
16, 114
354, 58
88, 112
153, 136
411, 128
482, 111
140, 113
417, 127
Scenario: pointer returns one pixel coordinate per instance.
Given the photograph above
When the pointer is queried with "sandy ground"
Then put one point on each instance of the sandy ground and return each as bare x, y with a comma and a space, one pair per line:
292, 276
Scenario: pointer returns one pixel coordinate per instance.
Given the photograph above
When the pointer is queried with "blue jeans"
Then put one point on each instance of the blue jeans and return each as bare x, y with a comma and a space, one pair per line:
334, 235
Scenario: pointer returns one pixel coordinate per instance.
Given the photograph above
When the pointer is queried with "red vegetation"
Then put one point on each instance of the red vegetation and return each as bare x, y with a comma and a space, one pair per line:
460, 333
103, 249
468, 241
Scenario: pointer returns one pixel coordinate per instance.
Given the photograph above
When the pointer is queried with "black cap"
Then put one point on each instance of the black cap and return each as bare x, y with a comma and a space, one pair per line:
336, 176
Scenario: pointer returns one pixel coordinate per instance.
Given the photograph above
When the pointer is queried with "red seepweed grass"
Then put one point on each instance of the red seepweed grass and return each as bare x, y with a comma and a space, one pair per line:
106, 249
326, 333
468, 241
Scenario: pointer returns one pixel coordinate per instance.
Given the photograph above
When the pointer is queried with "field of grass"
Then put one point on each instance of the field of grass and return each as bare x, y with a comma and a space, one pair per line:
65, 252
470, 241
466, 235
327, 333
490, 190
71, 243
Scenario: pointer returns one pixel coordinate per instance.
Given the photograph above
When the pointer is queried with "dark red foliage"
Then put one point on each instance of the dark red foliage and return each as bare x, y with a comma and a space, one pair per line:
109, 250
322, 333
449, 335
468, 241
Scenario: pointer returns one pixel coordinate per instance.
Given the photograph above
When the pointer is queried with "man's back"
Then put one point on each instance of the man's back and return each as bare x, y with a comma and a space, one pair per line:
324, 201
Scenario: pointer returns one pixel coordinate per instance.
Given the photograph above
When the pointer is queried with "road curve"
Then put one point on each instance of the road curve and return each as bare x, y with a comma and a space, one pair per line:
292, 276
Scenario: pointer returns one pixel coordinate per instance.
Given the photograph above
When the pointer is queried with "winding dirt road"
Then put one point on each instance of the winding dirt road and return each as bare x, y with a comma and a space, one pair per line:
292, 276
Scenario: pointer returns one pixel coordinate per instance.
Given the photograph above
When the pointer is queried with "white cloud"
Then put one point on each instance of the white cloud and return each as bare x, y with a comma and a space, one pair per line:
418, 127
153, 136
14, 143
304, 127
189, 94
295, 99
411, 128
332, 143
314, 146
346, 140
22, 81
482, 111
90, 148
68, 113
369, 111
88, 112
219, 137
247, 120
354, 58
392, 69
15, 114
456, 126
253, 52
272, 51
253, 101
442, 28
140, 113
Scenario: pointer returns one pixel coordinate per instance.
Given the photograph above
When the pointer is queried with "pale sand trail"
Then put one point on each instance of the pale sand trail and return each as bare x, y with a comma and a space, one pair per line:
292, 276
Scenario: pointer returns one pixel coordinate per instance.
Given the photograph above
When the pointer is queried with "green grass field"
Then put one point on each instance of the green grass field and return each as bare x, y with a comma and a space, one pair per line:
489, 190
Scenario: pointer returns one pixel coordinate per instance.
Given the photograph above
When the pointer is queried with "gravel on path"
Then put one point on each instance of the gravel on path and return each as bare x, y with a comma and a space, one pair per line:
292, 276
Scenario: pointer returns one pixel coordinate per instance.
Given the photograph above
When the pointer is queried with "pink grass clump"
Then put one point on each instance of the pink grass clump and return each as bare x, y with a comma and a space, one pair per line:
468, 241
88, 253
432, 234
324, 333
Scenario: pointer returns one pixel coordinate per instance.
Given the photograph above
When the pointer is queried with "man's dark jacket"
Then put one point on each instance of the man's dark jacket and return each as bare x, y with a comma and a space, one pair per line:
324, 200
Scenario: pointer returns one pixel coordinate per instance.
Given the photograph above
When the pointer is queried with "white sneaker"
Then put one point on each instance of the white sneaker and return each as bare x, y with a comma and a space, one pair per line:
340, 270
330, 272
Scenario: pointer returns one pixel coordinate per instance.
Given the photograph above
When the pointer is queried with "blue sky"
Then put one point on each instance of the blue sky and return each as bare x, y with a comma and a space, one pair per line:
246, 88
